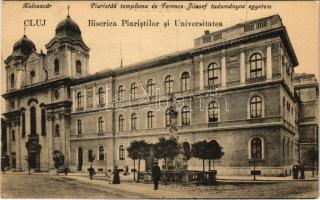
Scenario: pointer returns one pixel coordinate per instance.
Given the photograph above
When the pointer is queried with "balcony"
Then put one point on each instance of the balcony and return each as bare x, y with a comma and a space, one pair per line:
255, 79
255, 120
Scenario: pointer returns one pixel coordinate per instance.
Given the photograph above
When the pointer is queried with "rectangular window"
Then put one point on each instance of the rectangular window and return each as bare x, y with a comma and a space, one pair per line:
248, 27
89, 98
262, 24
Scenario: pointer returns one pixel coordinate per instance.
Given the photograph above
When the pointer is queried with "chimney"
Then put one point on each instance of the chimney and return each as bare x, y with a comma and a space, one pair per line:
206, 32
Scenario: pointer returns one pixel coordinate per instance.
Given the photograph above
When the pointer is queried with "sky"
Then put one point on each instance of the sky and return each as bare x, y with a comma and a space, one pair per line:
301, 19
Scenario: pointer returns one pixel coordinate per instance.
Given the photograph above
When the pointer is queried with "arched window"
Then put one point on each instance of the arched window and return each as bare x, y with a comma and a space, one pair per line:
33, 122
256, 65
13, 135
213, 112
32, 75
101, 97
56, 67
255, 107
101, 153
100, 124
23, 124
120, 93
150, 120
167, 117
168, 84
57, 131
43, 122
79, 126
256, 148
134, 121
185, 114
80, 100
120, 120
133, 91
151, 87
185, 81
78, 67
121, 152
12, 81
213, 74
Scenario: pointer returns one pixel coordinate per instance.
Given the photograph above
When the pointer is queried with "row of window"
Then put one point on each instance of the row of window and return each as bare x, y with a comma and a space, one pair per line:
256, 150
213, 116
57, 67
256, 70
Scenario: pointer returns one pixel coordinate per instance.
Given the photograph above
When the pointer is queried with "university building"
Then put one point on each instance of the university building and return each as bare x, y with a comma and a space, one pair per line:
236, 86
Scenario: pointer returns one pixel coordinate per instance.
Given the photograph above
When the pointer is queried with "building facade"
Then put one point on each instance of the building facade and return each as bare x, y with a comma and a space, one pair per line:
236, 86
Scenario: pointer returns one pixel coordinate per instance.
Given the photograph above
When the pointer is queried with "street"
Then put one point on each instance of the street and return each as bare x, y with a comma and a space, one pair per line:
79, 186
49, 186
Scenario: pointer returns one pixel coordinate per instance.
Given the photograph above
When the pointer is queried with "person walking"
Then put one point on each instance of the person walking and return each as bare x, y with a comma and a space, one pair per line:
156, 175
91, 172
116, 176
108, 174
65, 170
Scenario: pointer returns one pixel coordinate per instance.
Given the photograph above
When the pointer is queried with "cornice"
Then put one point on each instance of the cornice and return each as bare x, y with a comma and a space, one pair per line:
39, 87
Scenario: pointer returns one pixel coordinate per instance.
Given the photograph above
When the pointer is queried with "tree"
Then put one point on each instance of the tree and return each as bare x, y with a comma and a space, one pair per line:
58, 159
138, 150
207, 151
214, 151
166, 148
199, 150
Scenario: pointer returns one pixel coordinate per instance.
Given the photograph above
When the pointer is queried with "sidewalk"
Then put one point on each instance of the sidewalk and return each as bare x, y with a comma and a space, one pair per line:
134, 190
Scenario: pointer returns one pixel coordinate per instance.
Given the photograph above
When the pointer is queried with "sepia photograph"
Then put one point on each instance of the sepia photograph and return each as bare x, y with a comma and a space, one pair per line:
160, 99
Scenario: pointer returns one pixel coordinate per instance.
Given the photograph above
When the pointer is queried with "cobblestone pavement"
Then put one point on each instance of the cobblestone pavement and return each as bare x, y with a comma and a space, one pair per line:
73, 186
49, 186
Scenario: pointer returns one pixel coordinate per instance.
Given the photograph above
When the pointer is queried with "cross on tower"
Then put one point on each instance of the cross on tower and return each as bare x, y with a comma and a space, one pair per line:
68, 10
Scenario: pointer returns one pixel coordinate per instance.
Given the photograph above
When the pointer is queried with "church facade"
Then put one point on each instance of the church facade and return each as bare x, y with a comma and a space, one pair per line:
236, 86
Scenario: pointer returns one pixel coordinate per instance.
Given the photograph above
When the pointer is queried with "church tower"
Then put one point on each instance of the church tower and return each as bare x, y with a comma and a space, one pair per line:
67, 54
15, 63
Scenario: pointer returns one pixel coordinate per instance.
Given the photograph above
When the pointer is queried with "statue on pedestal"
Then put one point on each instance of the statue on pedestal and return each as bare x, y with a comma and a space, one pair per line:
179, 162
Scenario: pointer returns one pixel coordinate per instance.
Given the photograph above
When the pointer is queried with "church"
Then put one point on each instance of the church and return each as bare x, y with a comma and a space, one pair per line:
236, 86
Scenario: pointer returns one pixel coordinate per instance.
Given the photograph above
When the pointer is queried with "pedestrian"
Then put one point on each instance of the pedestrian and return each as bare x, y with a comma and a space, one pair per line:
91, 172
65, 170
156, 174
116, 176
295, 171
301, 172
108, 174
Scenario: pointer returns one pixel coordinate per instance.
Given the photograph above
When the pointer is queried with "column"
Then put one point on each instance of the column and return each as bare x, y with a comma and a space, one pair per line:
201, 85
223, 69
68, 57
85, 98
50, 142
73, 100
269, 62
94, 96
242, 67
18, 137
107, 94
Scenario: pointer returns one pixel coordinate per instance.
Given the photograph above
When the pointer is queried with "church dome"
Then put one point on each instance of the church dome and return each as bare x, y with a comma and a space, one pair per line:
23, 47
67, 28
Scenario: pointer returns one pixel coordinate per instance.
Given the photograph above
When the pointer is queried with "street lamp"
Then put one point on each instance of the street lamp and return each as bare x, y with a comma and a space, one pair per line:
254, 163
